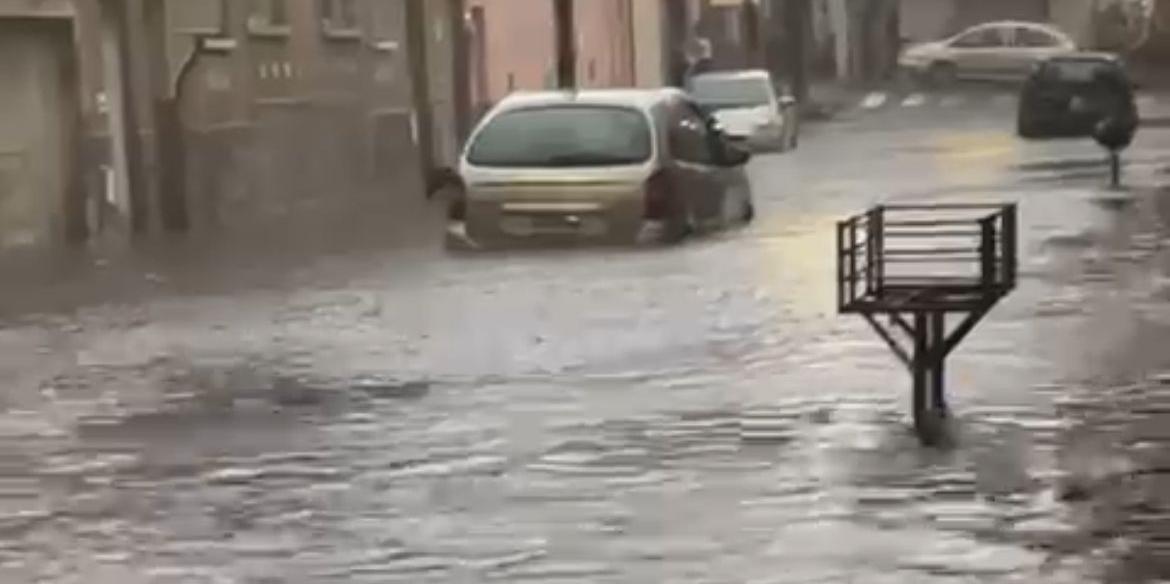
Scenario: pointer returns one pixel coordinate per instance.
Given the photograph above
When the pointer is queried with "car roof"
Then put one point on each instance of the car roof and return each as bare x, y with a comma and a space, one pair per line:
643, 99
1019, 23
1041, 26
750, 74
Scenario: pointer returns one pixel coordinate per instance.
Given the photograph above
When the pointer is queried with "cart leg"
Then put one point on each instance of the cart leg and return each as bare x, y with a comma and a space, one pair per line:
929, 400
923, 425
938, 360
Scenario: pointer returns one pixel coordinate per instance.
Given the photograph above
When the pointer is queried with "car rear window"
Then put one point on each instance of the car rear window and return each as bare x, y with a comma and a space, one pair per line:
1078, 71
730, 91
563, 136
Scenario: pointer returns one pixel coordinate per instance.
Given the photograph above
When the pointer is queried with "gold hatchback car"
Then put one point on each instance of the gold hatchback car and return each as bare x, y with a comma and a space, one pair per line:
605, 166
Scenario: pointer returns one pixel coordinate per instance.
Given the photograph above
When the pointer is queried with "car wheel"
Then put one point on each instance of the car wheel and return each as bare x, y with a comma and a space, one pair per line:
737, 208
680, 225
784, 141
1026, 127
749, 211
942, 75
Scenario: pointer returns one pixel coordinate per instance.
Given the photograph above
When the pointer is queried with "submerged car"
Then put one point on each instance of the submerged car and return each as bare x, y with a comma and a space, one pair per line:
995, 51
748, 108
1069, 95
605, 166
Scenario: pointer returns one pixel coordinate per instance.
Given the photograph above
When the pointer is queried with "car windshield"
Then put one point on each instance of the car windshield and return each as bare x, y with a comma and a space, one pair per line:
723, 92
563, 136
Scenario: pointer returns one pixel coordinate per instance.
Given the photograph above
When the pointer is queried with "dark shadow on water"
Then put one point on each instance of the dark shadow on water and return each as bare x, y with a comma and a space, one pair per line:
275, 255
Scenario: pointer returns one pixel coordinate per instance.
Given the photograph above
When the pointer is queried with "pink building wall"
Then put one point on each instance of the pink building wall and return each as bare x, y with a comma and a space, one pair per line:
518, 40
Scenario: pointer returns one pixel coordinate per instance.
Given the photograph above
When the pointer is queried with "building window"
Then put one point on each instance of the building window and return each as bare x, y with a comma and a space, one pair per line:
340, 18
207, 17
269, 17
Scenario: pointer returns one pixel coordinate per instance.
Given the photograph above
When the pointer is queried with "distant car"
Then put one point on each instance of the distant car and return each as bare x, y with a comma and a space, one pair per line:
748, 108
1068, 95
1003, 51
606, 166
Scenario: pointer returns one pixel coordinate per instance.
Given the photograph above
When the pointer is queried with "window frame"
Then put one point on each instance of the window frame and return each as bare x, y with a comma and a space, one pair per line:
220, 31
334, 30
261, 22
1020, 32
1004, 41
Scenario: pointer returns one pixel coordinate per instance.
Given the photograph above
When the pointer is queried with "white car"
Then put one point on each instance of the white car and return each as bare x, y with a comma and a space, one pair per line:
1006, 50
748, 108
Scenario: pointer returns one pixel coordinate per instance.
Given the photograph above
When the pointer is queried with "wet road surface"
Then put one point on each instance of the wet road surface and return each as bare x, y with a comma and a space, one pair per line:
692, 414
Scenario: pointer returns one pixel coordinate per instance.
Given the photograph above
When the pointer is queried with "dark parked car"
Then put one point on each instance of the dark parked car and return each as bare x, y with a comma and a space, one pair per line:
1067, 96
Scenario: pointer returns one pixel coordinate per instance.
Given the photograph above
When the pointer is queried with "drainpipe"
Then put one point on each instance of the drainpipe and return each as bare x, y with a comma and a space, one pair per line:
461, 40
839, 16
137, 183
566, 38
169, 138
418, 31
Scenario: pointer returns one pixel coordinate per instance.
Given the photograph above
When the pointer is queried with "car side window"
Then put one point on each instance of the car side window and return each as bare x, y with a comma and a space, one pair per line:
983, 38
689, 137
1035, 39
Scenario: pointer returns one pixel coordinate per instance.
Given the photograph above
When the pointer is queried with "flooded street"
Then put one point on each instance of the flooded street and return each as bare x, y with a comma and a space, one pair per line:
695, 414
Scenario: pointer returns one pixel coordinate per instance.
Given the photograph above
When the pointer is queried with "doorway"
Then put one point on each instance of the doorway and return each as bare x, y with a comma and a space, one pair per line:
38, 112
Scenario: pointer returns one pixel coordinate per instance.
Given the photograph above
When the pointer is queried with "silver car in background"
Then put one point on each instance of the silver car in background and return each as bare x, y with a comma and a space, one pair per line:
1000, 51
616, 166
748, 108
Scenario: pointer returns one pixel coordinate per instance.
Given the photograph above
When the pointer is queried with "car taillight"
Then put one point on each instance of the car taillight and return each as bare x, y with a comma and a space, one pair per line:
657, 197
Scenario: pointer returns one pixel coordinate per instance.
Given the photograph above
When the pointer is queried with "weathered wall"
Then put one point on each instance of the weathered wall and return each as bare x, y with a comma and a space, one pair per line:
307, 124
36, 140
970, 13
520, 53
519, 46
650, 43
605, 43
278, 124
1074, 17
926, 20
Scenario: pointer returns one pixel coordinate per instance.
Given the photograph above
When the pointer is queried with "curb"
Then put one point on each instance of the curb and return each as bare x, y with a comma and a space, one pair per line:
1160, 121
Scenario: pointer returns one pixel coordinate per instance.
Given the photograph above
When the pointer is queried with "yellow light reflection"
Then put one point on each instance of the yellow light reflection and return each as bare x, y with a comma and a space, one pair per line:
800, 262
974, 156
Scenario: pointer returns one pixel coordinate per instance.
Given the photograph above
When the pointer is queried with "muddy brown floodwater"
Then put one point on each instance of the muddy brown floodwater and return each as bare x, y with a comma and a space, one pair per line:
691, 414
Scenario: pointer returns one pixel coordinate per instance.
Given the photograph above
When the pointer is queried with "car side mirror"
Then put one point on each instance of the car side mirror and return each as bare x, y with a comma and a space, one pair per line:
731, 155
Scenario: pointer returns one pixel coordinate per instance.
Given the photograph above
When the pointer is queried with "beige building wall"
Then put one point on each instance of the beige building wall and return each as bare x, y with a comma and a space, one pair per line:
926, 20
518, 45
1074, 17
38, 109
519, 42
650, 58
